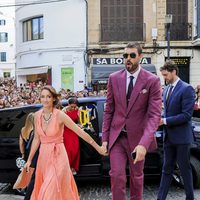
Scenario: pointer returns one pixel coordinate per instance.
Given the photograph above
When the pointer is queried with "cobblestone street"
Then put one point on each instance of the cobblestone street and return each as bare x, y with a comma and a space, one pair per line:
101, 191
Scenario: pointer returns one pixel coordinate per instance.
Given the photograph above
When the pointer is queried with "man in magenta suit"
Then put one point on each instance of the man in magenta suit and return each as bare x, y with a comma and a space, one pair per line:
130, 121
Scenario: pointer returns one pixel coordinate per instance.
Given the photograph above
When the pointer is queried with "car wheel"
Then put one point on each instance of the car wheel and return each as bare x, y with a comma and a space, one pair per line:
178, 179
195, 164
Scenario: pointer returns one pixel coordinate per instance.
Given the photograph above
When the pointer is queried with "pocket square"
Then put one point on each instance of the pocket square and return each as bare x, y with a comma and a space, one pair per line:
144, 91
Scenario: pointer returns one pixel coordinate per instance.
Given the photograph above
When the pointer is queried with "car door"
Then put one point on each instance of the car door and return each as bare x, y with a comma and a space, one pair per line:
11, 122
90, 159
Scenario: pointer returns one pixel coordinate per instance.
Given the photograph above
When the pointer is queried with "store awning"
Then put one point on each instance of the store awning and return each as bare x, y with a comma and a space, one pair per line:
102, 72
32, 70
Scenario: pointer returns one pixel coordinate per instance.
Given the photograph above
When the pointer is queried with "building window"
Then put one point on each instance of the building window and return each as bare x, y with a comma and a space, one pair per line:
3, 56
2, 22
3, 37
180, 28
6, 74
33, 29
122, 20
195, 19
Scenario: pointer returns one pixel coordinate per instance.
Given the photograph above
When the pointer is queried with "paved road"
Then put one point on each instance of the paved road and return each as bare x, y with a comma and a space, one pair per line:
101, 191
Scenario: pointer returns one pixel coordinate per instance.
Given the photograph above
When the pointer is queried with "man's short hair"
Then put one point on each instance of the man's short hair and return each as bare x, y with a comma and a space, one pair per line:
135, 45
169, 66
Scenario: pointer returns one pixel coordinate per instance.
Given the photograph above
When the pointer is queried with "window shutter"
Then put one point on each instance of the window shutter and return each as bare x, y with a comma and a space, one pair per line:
122, 20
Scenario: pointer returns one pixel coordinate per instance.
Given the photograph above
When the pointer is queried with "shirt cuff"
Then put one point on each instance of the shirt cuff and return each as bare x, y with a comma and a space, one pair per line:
164, 121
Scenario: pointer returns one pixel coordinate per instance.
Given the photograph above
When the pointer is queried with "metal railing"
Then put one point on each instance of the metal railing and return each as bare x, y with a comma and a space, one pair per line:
181, 31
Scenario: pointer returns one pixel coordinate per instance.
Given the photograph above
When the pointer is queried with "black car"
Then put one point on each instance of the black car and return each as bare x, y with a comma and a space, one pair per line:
92, 165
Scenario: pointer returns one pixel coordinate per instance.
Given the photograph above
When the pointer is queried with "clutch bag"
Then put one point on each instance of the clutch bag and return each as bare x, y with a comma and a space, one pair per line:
24, 178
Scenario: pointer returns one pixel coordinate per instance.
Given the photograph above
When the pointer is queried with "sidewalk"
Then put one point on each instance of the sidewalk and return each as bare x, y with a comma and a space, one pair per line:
10, 197
4, 187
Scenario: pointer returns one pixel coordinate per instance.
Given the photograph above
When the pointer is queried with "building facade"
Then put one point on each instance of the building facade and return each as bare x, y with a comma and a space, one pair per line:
114, 23
196, 23
51, 43
7, 42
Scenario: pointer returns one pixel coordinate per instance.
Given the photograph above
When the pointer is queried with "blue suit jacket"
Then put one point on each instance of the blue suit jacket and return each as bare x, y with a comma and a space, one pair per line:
178, 113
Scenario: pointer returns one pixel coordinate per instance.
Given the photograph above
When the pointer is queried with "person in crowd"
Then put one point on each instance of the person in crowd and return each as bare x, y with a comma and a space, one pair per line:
196, 112
25, 141
59, 104
71, 140
178, 101
54, 179
131, 117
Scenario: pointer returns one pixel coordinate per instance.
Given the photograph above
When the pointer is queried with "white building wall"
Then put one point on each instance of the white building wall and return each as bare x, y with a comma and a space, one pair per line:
8, 14
64, 40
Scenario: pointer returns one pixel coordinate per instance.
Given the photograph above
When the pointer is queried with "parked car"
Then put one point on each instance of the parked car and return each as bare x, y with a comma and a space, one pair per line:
92, 165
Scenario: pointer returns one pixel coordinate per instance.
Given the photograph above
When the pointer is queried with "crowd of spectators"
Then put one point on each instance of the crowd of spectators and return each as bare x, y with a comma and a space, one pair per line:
12, 95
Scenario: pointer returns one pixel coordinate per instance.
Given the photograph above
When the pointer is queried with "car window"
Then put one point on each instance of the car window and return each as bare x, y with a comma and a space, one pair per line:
88, 117
12, 120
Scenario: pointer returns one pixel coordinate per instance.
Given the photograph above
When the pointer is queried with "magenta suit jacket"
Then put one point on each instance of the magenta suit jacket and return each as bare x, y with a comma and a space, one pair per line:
141, 117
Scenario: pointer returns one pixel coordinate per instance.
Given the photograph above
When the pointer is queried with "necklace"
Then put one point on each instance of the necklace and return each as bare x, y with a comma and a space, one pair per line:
48, 118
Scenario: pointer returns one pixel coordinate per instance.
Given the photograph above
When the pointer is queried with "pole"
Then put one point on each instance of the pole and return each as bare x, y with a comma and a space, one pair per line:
168, 41
86, 49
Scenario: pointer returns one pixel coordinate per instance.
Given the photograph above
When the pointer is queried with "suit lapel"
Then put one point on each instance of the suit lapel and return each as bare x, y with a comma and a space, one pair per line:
173, 93
121, 83
141, 80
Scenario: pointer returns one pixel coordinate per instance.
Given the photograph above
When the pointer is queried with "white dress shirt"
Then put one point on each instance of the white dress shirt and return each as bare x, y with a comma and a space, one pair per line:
135, 75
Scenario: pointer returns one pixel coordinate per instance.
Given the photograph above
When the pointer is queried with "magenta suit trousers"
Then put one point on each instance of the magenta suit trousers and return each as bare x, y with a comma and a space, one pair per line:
120, 155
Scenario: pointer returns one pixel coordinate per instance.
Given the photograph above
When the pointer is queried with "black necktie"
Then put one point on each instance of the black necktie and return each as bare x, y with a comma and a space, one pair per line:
169, 94
130, 88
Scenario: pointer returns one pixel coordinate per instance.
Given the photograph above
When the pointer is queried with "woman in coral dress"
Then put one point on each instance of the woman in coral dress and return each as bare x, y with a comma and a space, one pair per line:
71, 140
54, 180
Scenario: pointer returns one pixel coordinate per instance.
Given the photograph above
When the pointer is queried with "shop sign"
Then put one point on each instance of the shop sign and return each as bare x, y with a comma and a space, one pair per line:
117, 61
181, 60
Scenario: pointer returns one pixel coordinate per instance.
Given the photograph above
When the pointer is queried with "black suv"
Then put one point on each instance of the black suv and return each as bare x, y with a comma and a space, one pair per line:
92, 165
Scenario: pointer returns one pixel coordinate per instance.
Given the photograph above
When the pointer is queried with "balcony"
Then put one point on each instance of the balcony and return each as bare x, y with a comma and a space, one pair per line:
181, 31
122, 32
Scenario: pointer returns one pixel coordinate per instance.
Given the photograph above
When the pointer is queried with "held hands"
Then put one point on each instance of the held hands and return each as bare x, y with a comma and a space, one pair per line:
140, 153
103, 149
105, 146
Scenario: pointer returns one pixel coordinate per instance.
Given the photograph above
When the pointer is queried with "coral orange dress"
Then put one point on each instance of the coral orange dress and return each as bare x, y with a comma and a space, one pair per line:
71, 142
54, 179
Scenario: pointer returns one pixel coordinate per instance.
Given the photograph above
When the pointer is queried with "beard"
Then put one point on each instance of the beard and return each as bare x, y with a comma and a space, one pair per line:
130, 67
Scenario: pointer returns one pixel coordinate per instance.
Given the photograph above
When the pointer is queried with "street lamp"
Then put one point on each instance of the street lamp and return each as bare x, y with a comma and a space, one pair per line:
168, 22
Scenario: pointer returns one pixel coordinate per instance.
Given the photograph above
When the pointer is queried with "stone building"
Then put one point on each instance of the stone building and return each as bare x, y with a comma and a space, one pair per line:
113, 23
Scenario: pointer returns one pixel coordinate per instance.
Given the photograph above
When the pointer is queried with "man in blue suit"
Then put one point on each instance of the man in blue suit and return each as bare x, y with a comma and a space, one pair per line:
178, 99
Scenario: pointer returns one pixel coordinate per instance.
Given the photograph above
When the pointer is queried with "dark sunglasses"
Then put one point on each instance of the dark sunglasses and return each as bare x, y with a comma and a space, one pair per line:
132, 55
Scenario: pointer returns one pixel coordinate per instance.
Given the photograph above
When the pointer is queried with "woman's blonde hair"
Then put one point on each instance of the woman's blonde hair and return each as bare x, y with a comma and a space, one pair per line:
28, 127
